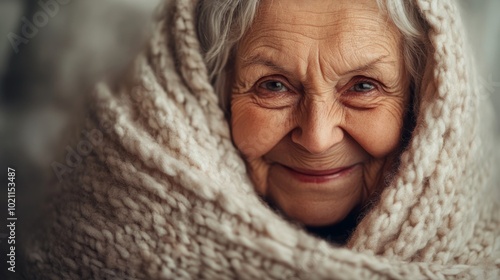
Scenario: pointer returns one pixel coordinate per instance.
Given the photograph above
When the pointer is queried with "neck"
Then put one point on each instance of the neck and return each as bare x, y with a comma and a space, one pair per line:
338, 233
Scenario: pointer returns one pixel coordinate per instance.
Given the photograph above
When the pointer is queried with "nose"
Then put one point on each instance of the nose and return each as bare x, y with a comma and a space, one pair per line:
318, 127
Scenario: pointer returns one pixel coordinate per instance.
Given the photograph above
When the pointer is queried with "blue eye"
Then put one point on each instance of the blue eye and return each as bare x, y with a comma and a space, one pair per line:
275, 86
362, 87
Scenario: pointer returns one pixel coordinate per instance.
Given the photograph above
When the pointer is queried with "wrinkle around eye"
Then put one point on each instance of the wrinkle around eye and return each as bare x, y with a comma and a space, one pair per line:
274, 100
277, 102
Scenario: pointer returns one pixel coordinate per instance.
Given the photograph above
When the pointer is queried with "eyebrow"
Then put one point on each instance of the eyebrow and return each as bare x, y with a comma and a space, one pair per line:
259, 60
371, 65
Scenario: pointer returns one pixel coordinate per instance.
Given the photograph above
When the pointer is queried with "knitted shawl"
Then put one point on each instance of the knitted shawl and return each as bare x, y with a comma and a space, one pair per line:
160, 192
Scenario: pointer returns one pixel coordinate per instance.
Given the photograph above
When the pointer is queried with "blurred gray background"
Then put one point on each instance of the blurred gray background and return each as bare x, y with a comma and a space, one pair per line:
53, 51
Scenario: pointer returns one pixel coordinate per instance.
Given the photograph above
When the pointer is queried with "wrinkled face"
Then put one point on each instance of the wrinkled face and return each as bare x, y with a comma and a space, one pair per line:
318, 100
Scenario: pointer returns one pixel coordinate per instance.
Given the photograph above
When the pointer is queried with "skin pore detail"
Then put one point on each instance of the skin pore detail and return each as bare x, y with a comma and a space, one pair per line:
318, 100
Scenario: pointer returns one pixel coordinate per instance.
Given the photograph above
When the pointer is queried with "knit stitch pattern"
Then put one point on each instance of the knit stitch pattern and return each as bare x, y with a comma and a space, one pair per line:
165, 195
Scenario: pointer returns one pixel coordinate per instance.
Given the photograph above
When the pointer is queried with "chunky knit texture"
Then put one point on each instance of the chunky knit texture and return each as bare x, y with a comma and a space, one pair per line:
164, 194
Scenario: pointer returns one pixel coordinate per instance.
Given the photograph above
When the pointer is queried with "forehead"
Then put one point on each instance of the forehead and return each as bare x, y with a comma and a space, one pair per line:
321, 15
342, 28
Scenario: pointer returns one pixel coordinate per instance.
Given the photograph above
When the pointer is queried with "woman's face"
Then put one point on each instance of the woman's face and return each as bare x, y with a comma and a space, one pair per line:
318, 100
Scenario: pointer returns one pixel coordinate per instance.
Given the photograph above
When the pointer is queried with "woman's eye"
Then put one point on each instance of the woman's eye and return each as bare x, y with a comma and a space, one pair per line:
362, 87
274, 93
275, 86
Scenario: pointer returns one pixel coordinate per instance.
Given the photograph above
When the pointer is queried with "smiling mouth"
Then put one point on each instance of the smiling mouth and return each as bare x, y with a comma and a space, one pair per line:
319, 176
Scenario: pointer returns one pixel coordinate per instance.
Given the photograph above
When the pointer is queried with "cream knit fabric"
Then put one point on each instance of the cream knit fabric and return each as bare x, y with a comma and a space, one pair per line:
164, 194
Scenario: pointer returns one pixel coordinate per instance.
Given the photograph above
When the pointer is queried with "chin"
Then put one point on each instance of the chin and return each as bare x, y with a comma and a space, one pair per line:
314, 213
318, 200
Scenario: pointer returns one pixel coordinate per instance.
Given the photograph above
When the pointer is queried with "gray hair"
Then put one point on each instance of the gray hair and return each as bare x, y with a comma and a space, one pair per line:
222, 23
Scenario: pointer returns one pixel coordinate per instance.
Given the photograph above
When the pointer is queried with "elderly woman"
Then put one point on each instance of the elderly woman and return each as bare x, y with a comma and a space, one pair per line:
245, 126
319, 97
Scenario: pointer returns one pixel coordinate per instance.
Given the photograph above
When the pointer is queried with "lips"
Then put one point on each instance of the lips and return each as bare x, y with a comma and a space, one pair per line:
319, 172
318, 176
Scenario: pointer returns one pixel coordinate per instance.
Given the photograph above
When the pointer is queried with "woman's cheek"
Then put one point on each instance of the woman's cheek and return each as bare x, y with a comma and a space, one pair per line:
255, 130
377, 130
